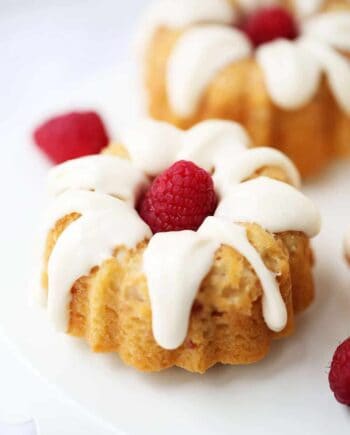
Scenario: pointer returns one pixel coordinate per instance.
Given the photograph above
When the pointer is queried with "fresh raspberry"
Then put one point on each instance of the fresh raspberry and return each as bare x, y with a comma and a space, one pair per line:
339, 376
270, 23
179, 199
72, 135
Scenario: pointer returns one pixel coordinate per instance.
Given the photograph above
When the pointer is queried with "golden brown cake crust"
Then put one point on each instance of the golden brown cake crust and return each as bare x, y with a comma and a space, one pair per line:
110, 308
310, 136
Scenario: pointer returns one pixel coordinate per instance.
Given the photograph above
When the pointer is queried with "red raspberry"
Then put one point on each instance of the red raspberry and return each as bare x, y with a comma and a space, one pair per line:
339, 376
270, 23
179, 199
72, 135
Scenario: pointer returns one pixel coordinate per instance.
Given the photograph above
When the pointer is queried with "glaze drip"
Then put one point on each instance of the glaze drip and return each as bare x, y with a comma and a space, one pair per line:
274, 205
166, 259
179, 14
92, 238
199, 54
106, 174
220, 147
301, 74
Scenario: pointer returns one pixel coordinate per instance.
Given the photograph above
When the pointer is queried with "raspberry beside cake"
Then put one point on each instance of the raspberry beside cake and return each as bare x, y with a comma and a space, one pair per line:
219, 279
281, 68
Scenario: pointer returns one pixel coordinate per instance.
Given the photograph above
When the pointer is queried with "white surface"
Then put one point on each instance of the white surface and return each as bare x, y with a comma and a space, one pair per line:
287, 393
27, 428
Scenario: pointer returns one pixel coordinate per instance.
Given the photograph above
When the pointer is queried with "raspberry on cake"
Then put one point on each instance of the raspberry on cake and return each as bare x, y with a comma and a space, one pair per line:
281, 68
179, 199
211, 270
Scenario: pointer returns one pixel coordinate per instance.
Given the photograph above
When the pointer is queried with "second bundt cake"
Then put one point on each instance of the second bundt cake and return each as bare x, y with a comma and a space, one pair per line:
281, 68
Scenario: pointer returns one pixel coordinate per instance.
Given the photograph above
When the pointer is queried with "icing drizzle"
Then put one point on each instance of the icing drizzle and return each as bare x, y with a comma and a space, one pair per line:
301, 74
292, 70
250, 5
106, 174
199, 54
309, 7
167, 257
92, 238
274, 205
179, 14
107, 222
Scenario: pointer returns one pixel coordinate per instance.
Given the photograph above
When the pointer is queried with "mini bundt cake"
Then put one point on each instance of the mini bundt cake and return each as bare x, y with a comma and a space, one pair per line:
281, 68
217, 291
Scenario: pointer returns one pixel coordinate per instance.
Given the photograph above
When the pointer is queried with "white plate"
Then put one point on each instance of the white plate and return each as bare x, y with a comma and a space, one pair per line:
286, 393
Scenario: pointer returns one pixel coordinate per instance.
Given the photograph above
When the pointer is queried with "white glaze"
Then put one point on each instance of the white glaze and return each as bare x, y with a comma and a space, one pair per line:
209, 144
78, 201
306, 8
331, 28
178, 14
173, 285
274, 205
215, 145
108, 222
292, 75
72, 201
92, 239
248, 6
236, 170
336, 68
102, 173
199, 54
231, 234
153, 145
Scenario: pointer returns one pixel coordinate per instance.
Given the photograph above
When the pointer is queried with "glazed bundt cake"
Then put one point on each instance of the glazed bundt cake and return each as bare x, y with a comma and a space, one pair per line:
281, 68
219, 293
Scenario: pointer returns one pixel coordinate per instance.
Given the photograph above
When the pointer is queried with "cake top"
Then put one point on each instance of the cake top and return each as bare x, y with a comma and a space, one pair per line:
104, 190
294, 50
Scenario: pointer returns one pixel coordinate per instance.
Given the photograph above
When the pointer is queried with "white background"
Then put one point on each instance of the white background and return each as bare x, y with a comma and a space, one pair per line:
45, 46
